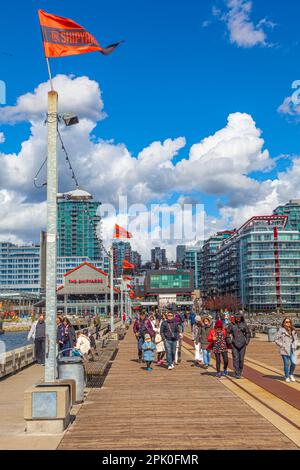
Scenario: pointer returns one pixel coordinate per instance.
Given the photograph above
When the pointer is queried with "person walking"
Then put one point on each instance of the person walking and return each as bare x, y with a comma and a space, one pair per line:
38, 334
204, 332
217, 340
59, 328
240, 335
148, 351
287, 341
192, 319
197, 343
68, 337
160, 347
170, 334
97, 325
141, 327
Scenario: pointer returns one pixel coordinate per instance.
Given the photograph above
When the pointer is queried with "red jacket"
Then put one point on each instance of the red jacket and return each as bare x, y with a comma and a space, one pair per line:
210, 338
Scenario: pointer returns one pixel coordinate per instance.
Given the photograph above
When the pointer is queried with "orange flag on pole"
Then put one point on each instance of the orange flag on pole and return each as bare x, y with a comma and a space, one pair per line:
63, 37
120, 232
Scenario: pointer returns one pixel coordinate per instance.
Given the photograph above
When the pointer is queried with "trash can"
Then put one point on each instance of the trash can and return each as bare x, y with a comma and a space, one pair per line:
272, 334
73, 368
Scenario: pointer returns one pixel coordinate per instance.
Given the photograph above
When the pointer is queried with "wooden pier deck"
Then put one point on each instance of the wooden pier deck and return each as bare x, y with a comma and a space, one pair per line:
183, 409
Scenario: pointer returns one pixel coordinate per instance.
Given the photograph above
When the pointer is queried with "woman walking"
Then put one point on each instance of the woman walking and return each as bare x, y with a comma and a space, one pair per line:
196, 335
160, 347
68, 337
287, 341
217, 340
240, 334
204, 332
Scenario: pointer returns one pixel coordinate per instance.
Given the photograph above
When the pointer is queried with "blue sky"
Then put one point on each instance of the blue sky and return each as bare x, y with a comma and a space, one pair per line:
178, 73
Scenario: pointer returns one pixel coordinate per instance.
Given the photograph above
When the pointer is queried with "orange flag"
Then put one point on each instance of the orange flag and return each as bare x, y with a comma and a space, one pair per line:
120, 232
127, 265
63, 37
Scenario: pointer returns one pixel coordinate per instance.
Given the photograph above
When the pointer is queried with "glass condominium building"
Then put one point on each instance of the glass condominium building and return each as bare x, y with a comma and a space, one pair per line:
20, 267
192, 261
260, 265
292, 211
77, 226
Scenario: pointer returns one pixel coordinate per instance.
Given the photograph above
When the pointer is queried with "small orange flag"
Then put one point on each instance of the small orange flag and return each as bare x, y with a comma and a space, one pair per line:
120, 232
127, 265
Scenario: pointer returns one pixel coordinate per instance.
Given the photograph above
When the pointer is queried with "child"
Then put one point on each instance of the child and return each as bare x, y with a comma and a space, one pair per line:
217, 340
160, 346
148, 351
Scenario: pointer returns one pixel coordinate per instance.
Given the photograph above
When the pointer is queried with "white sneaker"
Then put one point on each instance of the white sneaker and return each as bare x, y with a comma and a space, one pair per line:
288, 380
170, 368
292, 378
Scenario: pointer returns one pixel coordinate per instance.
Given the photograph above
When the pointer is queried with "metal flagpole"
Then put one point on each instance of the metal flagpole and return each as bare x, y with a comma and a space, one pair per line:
122, 299
52, 186
112, 322
50, 75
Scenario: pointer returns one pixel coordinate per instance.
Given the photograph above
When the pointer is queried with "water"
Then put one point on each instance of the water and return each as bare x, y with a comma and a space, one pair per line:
15, 340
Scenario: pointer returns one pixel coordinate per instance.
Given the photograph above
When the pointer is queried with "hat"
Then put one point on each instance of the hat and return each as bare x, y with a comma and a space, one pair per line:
147, 336
219, 324
198, 318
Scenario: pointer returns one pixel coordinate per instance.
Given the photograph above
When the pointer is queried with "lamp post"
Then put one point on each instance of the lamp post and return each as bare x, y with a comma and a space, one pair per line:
52, 182
51, 250
112, 306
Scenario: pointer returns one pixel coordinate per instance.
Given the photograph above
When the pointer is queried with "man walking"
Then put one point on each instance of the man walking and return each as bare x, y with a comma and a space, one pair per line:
241, 335
141, 327
170, 333
38, 335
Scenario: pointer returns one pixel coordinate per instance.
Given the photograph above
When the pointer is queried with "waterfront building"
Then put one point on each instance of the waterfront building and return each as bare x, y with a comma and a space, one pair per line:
292, 211
180, 255
209, 268
159, 257
192, 261
136, 259
260, 265
121, 251
86, 291
20, 267
78, 224
168, 288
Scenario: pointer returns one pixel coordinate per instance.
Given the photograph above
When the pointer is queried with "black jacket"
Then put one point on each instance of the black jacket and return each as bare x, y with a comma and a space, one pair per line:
169, 330
240, 334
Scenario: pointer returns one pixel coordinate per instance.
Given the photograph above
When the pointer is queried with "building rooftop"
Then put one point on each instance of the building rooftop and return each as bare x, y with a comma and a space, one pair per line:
77, 195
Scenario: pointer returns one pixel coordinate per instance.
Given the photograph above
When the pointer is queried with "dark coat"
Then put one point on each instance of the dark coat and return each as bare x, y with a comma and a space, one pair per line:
170, 330
240, 334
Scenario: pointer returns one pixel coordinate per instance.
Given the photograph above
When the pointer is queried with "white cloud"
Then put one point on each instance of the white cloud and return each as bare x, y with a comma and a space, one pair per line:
242, 30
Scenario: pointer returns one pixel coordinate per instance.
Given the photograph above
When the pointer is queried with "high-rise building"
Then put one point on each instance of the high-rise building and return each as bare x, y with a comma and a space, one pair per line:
77, 226
180, 253
209, 268
158, 256
122, 251
260, 265
136, 259
292, 211
20, 267
192, 261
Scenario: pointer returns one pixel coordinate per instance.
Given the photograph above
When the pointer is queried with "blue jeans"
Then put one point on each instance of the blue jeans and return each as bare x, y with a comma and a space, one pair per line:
289, 367
206, 357
170, 347
140, 346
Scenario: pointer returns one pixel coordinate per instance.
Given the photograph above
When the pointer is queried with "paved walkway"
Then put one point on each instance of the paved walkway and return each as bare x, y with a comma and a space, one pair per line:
12, 424
183, 409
